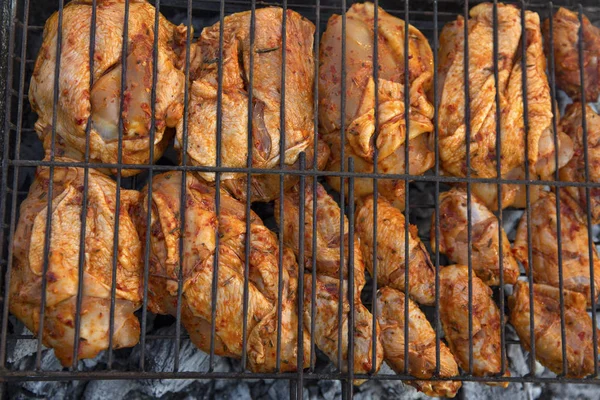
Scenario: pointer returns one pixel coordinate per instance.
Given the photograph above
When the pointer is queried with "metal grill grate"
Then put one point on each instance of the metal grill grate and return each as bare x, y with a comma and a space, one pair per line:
21, 34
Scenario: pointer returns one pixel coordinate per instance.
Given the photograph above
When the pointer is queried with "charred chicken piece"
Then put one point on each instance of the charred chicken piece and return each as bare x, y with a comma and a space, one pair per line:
485, 243
62, 274
266, 98
361, 139
565, 26
547, 328
544, 242
391, 254
574, 171
486, 324
421, 344
78, 105
199, 245
482, 89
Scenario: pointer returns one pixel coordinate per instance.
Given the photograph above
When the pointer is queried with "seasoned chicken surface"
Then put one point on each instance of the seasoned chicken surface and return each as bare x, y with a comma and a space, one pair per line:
544, 242
199, 245
579, 342
99, 105
62, 273
358, 120
486, 324
482, 93
565, 34
391, 254
574, 171
421, 344
485, 242
265, 83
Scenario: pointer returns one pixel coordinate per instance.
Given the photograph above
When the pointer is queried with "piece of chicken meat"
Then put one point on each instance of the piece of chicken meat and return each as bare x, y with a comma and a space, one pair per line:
421, 344
358, 121
202, 226
99, 105
265, 81
62, 273
572, 124
579, 344
565, 48
485, 238
486, 324
391, 250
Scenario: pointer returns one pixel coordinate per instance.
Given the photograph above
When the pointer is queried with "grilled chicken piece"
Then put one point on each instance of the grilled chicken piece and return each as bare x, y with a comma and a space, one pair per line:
62, 273
565, 32
485, 243
421, 344
266, 97
547, 323
482, 91
199, 245
359, 114
328, 325
78, 104
574, 245
391, 248
327, 231
574, 171
486, 324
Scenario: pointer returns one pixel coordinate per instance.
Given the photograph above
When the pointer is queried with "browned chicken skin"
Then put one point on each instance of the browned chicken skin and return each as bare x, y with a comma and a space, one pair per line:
77, 103
482, 92
421, 344
565, 26
547, 333
266, 98
62, 274
485, 245
544, 242
574, 171
359, 122
199, 244
486, 324
391, 252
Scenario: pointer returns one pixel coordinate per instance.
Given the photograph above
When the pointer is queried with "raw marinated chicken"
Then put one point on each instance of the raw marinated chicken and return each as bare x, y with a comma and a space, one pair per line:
359, 113
485, 243
574, 171
574, 245
199, 245
62, 274
547, 323
421, 344
482, 93
486, 324
265, 80
99, 105
565, 32
391, 248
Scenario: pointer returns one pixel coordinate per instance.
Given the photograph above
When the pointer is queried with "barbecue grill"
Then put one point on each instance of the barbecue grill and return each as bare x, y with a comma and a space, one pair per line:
20, 40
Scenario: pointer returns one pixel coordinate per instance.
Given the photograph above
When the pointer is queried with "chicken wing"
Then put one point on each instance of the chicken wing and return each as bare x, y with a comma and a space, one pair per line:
421, 344
547, 328
62, 273
200, 246
486, 324
574, 245
485, 243
565, 34
78, 105
391, 248
359, 112
265, 81
574, 171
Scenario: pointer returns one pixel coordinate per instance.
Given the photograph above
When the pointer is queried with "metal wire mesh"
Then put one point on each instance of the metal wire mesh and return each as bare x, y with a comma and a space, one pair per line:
22, 37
